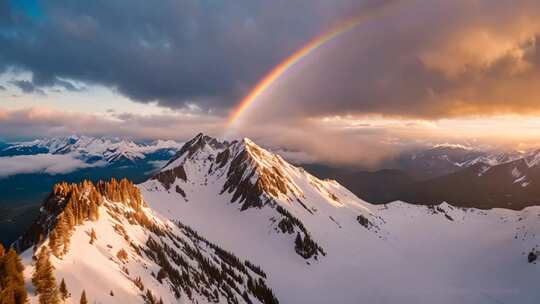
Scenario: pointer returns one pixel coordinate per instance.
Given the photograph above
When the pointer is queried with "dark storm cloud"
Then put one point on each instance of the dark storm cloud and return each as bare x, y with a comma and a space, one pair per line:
426, 59
173, 52
27, 87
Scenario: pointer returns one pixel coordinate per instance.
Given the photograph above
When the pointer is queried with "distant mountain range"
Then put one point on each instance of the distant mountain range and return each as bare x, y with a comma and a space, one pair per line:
444, 159
92, 149
455, 174
230, 222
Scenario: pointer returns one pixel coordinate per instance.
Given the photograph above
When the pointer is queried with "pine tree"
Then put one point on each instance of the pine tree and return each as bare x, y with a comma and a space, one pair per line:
43, 279
83, 298
138, 282
122, 255
63, 290
54, 242
93, 212
69, 218
12, 289
298, 241
149, 297
93, 236
64, 232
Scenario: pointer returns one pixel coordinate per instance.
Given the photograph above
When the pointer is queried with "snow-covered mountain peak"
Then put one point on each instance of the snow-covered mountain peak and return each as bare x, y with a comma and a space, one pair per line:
240, 173
250, 170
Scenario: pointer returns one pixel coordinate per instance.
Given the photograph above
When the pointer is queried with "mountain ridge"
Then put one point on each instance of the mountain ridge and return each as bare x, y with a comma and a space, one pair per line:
307, 240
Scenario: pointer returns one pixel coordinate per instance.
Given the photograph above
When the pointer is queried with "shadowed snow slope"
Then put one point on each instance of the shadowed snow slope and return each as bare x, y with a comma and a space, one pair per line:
319, 243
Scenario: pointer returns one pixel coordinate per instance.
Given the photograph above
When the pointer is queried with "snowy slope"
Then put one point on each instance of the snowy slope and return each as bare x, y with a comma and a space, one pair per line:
195, 270
253, 203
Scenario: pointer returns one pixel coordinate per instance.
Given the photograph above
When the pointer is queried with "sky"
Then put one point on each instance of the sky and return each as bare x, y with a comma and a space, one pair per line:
410, 73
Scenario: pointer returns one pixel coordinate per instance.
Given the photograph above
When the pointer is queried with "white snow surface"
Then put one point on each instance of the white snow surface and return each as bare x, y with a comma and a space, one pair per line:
96, 269
412, 254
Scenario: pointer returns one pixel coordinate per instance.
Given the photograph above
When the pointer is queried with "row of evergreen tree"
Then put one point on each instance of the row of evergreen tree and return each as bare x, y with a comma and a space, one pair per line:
82, 204
12, 290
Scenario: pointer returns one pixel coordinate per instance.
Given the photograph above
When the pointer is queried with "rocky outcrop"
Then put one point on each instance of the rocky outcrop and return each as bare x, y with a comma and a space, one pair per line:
167, 177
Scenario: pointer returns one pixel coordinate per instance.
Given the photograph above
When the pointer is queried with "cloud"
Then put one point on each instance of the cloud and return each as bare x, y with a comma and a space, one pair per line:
317, 141
173, 52
295, 140
44, 121
361, 141
296, 157
41, 163
27, 87
425, 59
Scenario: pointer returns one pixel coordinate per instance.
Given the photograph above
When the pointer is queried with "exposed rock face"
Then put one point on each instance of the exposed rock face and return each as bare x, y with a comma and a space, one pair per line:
239, 182
256, 176
363, 221
532, 256
167, 177
180, 191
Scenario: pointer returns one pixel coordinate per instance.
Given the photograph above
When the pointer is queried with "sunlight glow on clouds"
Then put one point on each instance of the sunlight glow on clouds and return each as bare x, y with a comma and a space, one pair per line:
45, 121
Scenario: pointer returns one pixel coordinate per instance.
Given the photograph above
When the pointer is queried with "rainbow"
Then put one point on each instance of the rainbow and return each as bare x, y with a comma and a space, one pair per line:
289, 62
